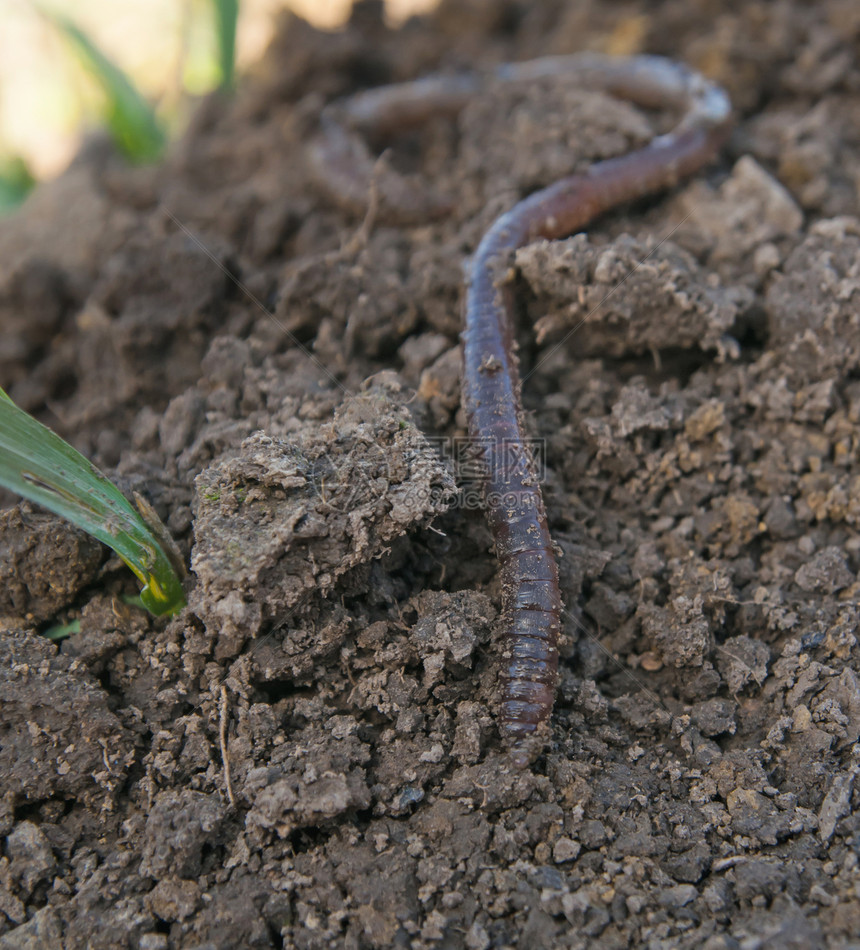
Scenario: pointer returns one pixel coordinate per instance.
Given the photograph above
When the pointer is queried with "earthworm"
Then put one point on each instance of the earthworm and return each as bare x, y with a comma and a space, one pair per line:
531, 597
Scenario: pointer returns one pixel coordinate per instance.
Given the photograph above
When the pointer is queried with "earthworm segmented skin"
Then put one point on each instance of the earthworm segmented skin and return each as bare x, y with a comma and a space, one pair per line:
531, 599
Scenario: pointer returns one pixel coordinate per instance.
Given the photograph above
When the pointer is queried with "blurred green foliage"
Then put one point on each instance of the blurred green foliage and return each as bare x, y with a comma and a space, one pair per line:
16, 182
226, 18
129, 118
132, 121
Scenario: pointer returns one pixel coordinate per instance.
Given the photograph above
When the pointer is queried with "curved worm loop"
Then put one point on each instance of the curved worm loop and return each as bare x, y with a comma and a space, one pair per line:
531, 599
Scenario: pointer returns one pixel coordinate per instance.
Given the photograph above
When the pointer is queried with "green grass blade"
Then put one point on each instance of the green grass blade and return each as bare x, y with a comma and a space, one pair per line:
37, 464
226, 17
62, 630
130, 119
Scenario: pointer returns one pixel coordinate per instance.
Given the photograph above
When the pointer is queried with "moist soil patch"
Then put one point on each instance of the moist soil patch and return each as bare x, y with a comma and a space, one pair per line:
307, 756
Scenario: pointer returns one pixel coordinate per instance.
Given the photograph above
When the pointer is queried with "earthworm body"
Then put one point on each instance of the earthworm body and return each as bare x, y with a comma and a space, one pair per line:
531, 599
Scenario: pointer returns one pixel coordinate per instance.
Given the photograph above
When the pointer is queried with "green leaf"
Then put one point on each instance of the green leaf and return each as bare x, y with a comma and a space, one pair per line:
62, 630
226, 17
38, 465
130, 119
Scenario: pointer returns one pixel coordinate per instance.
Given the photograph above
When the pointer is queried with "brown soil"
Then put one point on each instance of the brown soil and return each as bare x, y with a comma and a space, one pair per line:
224, 339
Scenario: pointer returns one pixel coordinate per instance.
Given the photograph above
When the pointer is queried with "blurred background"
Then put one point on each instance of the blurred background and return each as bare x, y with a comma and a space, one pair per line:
57, 59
